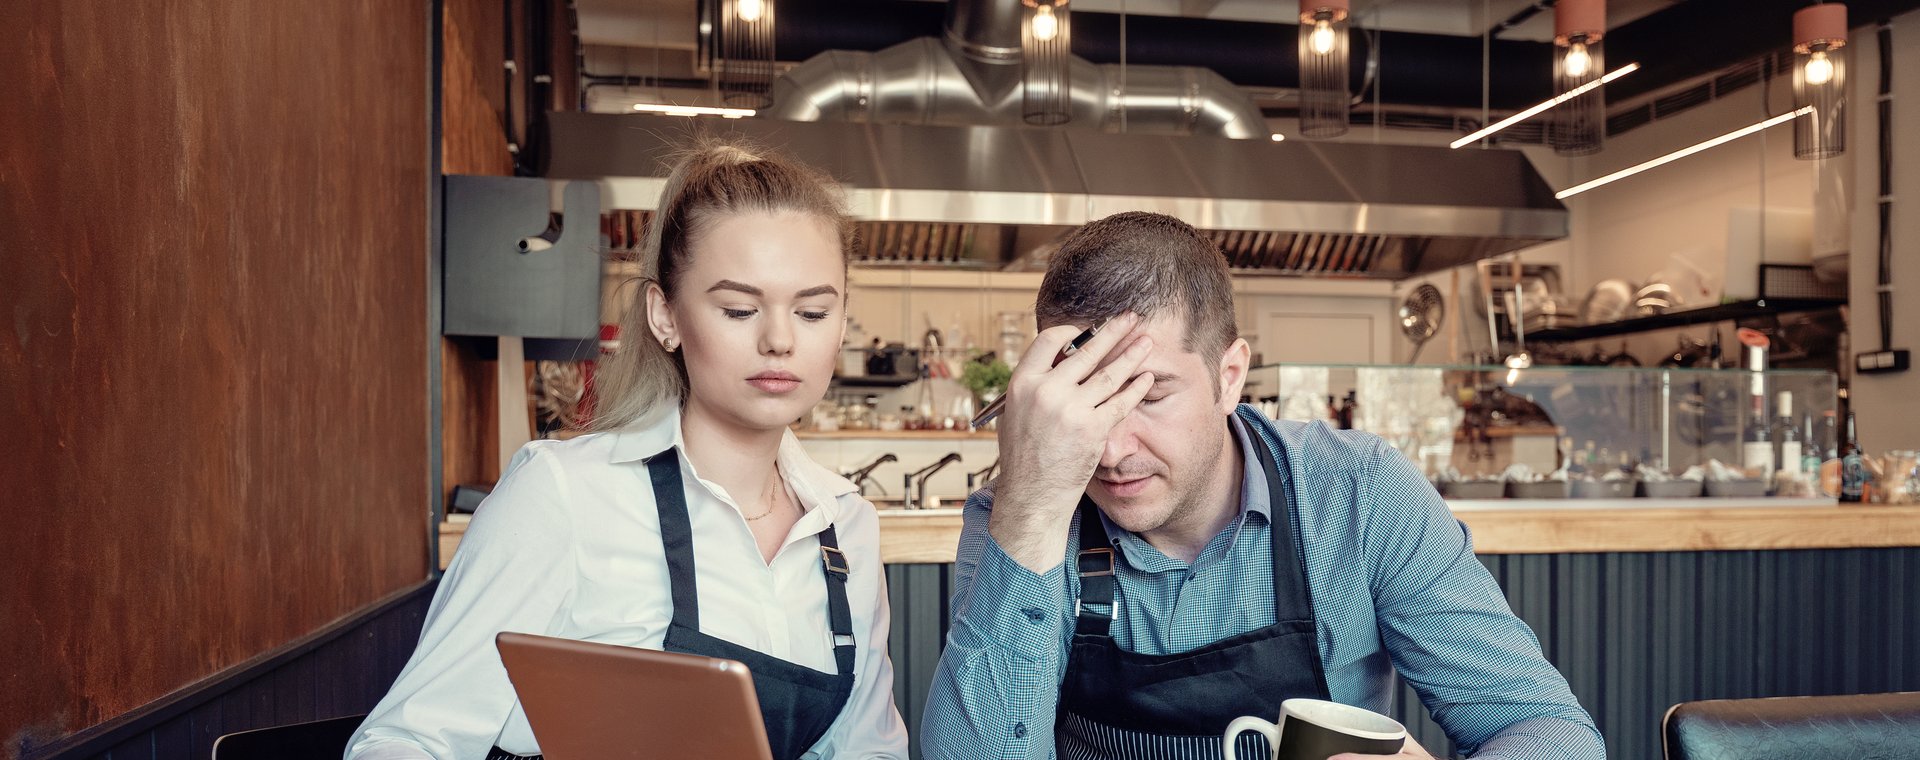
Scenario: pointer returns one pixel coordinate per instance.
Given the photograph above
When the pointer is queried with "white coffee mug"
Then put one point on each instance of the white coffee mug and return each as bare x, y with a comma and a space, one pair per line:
1314, 729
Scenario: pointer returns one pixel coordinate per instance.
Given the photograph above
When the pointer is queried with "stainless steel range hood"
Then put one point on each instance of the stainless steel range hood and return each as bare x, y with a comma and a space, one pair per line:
964, 194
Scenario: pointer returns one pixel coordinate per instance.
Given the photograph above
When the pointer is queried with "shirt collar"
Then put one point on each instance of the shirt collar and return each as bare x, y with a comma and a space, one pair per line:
1255, 496
659, 431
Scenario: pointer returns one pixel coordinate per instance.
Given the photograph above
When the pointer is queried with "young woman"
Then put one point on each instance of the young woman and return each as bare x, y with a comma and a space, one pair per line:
738, 335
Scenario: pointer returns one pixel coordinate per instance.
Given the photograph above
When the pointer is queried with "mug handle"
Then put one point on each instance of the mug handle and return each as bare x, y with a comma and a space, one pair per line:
1248, 723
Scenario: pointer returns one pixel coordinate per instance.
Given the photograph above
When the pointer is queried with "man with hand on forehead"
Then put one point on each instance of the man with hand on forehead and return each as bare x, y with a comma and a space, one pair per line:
1156, 559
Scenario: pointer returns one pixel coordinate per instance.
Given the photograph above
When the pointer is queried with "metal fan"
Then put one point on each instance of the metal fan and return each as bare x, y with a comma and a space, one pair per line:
1420, 317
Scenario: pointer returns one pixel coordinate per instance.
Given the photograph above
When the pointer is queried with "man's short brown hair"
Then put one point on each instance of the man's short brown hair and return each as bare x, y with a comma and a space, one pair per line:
1144, 263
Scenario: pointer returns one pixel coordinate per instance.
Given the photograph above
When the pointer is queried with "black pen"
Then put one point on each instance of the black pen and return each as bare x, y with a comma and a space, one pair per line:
993, 408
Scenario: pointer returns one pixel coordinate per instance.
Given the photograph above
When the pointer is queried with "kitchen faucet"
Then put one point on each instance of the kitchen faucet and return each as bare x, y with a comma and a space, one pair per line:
923, 474
864, 475
982, 476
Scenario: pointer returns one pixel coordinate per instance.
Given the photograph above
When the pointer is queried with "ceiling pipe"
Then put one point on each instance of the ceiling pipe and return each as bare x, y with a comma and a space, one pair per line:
1686, 40
968, 76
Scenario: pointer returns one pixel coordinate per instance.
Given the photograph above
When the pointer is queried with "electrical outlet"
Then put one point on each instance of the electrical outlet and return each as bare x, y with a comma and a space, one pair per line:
1893, 360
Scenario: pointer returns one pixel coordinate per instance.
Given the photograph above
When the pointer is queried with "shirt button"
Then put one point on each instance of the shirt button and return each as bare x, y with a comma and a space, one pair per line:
1034, 614
1019, 730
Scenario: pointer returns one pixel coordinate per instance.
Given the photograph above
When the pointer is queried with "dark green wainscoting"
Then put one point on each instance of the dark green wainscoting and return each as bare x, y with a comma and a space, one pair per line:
1635, 633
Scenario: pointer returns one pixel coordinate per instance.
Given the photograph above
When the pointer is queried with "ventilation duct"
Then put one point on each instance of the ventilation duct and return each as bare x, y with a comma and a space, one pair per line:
971, 75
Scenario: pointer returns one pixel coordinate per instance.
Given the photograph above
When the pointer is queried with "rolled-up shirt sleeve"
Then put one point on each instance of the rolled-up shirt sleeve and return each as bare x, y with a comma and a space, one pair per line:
997, 687
513, 572
1451, 634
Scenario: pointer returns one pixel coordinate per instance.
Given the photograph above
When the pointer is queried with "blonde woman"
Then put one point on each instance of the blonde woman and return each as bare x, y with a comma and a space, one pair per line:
690, 520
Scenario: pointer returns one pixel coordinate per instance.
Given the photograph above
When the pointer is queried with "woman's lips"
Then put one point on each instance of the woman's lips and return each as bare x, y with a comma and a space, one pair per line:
775, 382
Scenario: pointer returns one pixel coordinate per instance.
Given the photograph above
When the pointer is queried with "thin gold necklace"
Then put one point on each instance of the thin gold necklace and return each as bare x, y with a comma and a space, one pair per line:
778, 493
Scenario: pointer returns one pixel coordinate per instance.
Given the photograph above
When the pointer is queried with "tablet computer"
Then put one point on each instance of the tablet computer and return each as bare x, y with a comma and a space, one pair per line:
590, 701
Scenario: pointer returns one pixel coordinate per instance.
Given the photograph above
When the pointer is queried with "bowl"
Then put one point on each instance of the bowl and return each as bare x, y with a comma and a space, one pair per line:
1472, 489
1545, 489
1604, 489
1750, 487
1670, 489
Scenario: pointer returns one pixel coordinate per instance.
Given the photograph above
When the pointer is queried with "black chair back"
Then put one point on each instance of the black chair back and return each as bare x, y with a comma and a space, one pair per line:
319, 740
1877, 726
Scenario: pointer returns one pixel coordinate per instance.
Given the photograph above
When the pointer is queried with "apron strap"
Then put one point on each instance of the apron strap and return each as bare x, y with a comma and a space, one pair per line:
676, 533
1095, 562
1292, 599
1093, 611
839, 617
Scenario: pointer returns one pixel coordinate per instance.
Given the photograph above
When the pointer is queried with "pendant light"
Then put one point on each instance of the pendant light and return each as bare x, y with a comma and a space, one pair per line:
744, 68
1046, 34
1579, 125
1323, 68
1820, 80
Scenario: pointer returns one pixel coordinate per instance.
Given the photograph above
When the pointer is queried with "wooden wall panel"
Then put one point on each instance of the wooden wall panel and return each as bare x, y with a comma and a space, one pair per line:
342, 672
213, 374
472, 141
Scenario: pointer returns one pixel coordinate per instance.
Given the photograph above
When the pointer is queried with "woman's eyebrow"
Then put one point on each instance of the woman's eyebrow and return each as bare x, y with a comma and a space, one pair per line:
739, 286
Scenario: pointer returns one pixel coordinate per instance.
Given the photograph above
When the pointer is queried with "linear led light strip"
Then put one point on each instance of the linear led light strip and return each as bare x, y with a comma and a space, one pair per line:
1682, 153
1535, 110
730, 113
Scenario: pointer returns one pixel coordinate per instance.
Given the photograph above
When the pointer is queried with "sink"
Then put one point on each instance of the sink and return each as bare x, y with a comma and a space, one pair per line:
936, 502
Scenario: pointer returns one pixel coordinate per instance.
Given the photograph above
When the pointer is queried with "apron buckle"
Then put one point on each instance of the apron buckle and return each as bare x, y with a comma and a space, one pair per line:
828, 555
1096, 562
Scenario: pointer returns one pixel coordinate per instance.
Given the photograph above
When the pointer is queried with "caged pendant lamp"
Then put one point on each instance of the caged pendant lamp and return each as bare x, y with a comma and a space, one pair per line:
1046, 63
1324, 96
745, 52
1579, 125
1820, 80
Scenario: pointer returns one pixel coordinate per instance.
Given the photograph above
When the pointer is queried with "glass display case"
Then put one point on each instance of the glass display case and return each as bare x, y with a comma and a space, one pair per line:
1556, 432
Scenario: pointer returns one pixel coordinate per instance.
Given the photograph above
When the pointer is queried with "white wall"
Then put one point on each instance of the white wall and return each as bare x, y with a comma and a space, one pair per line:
1887, 406
1629, 228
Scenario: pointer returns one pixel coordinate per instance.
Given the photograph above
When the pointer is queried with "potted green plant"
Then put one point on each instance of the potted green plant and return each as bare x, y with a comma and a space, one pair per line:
986, 376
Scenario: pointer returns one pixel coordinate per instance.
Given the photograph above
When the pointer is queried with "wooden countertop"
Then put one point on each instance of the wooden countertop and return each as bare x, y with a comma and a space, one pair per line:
1503, 526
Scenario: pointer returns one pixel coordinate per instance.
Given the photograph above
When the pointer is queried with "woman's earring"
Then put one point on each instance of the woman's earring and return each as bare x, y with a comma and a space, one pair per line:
668, 344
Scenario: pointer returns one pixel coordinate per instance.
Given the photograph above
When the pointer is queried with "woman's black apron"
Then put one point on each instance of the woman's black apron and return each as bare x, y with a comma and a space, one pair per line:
797, 703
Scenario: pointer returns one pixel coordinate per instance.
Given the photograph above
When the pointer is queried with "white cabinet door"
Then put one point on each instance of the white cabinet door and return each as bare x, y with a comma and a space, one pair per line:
1327, 331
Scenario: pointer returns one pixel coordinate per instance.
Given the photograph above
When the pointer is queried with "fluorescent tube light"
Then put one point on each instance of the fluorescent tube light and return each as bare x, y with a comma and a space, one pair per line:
1682, 153
1535, 110
670, 110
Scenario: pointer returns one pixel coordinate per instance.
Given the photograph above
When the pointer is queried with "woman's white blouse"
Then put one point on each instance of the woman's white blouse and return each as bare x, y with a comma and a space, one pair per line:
569, 545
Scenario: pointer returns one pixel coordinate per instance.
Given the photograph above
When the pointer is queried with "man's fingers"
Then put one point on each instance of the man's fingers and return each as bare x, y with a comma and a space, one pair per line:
1088, 357
1123, 403
1038, 357
1108, 379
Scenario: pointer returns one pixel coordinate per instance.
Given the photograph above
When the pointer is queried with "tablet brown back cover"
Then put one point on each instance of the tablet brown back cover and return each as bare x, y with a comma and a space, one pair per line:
589, 701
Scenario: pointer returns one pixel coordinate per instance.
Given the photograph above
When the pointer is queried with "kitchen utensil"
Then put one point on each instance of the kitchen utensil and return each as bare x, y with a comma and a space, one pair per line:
1420, 317
1654, 298
1609, 301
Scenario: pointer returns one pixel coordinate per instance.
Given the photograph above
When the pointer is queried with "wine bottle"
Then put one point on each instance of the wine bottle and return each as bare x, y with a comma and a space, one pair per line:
1756, 448
1790, 444
1853, 467
1810, 455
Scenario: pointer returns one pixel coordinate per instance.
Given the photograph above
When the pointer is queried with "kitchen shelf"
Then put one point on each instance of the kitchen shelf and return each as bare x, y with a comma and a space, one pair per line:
1724, 312
873, 381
